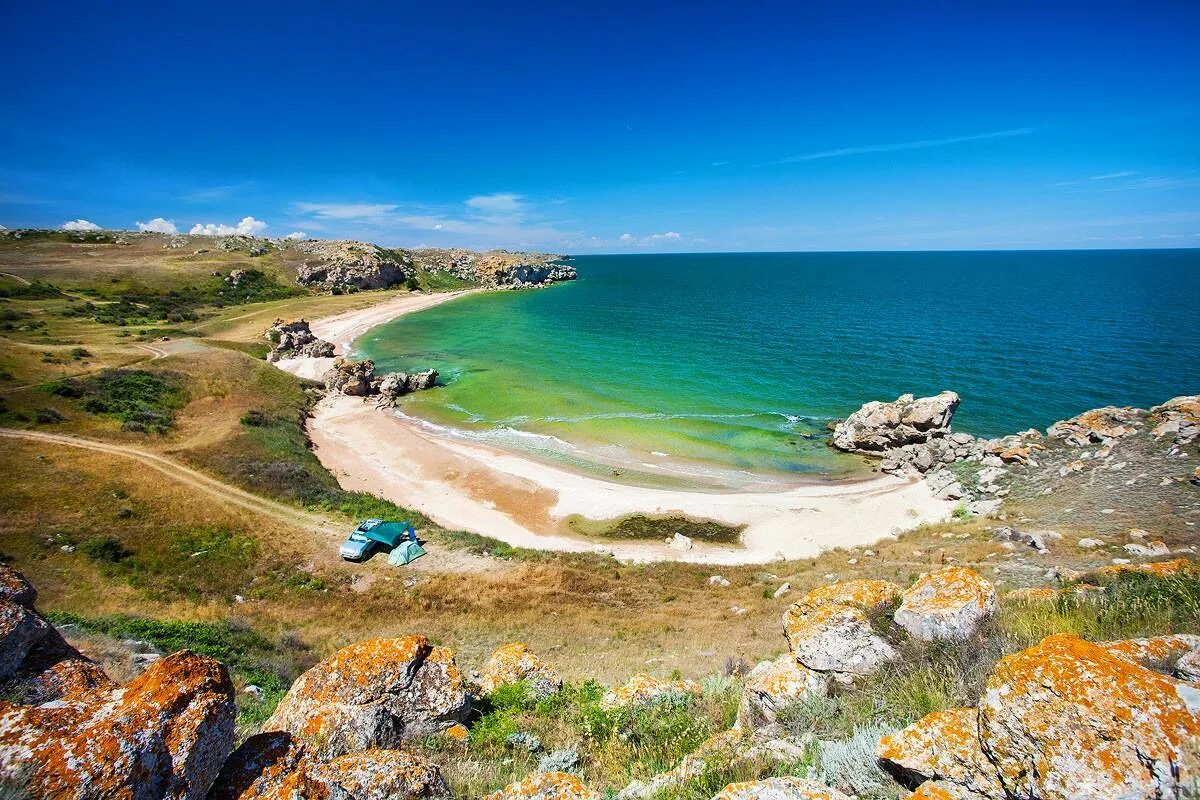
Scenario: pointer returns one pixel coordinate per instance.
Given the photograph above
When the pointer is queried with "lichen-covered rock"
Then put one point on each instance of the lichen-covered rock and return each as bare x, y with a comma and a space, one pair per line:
268, 766
547, 786
349, 377
69, 679
943, 790
381, 775
829, 628
1098, 426
1158, 569
1068, 720
20, 630
787, 788
1155, 652
294, 339
946, 605
1178, 418
881, 426
343, 264
515, 662
1188, 666
771, 685
15, 589
165, 734
941, 746
644, 690
373, 694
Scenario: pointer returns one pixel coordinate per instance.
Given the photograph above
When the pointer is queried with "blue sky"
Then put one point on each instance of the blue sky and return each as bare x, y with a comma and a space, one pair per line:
611, 127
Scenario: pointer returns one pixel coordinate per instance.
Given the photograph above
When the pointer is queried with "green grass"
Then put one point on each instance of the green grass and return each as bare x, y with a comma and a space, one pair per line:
143, 401
644, 527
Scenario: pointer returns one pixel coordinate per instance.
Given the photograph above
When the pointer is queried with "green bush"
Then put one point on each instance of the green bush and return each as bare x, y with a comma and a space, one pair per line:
143, 400
105, 550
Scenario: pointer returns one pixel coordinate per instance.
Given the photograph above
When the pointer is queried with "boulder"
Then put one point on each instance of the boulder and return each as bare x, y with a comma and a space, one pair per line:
644, 690
15, 589
787, 788
1158, 569
69, 679
165, 734
373, 694
1155, 652
1188, 666
20, 630
1178, 418
274, 765
1068, 720
830, 630
353, 378
294, 339
547, 786
724, 749
1098, 426
946, 605
771, 685
397, 384
942, 746
881, 426
516, 662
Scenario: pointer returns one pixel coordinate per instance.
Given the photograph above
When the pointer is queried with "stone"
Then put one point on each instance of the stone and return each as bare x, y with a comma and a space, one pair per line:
680, 542
1188, 666
20, 630
644, 690
1159, 569
786, 788
515, 662
70, 679
341, 264
879, 426
945, 746
381, 775
1090, 544
373, 694
294, 339
783, 589
394, 385
1068, 720
1151, 549
165, 734
834, 637
15, 589
718, 580
984, 508
267, 766
1178, 418
547, 786
772, 685
946, 605
349, 377
1098, 426
1154, 652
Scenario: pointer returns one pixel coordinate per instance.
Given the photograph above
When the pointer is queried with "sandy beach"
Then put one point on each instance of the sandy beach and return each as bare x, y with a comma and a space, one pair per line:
514, 498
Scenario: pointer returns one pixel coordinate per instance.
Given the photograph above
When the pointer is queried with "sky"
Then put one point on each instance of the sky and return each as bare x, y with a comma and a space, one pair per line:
610, 126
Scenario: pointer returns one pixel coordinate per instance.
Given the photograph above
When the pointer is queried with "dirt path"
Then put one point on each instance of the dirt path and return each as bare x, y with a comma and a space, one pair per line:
326, 532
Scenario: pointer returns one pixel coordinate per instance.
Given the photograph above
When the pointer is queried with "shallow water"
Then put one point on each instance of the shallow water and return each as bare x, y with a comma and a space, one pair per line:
718, 366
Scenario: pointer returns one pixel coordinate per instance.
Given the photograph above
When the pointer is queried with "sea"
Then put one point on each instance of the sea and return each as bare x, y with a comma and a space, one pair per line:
725, 369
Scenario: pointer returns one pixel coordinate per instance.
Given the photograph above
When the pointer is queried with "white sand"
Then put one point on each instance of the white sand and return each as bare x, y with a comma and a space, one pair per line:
467, 486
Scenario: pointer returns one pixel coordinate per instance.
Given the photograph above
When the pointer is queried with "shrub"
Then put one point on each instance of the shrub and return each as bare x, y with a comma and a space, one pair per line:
105, 550
48, 416
140, 399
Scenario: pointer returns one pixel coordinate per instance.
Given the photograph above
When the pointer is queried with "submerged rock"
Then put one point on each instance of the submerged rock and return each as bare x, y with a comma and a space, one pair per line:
373, 694
397, 384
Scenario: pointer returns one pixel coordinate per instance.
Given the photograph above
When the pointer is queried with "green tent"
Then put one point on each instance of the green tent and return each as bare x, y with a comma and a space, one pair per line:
404, 553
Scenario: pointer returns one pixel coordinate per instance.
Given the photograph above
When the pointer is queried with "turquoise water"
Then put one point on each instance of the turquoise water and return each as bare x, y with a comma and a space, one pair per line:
720, 365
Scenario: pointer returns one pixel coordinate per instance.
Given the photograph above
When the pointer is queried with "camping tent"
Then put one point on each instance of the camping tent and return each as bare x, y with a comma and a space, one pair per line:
404, 553
388, 534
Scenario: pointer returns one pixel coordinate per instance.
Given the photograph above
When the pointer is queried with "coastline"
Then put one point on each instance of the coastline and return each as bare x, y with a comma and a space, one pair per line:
524, 502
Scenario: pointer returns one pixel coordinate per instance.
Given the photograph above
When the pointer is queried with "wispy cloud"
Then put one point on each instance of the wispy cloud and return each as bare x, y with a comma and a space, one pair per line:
628, 239
920, 144
346, 211
1110, 175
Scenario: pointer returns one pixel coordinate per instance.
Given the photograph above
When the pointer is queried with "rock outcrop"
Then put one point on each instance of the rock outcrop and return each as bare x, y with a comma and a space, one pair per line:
498, 269
771, 686
341, 264
946, 605
294, 339
878, 426
1178, 418
373, 694
514, 663
1098, 426
829, 629
943, 746
644, 690
397, 384
358, 379
547, 786
163, 735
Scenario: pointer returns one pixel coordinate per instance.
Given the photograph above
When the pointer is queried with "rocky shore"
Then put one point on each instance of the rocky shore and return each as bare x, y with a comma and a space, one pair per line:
1065, 719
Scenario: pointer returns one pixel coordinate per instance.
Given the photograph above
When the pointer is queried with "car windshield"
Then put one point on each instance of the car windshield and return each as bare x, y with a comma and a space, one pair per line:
357, 537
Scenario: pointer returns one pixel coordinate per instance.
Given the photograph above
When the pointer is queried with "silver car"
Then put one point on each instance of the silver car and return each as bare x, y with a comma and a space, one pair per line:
356, 547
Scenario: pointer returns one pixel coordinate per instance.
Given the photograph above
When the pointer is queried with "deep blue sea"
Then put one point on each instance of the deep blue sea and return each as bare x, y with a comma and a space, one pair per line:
728, 361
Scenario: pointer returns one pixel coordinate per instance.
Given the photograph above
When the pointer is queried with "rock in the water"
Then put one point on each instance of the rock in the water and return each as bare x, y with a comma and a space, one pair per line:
779, 789
397, 384
165, 734
943, 745
644, 690
881, 426
353, 378
546, 786
294, 339
373, 694
829, 629
771, 685
1068, 720
516, 662
946, 605
341, 265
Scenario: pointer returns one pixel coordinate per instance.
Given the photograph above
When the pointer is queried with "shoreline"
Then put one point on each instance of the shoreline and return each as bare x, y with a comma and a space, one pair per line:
524, 502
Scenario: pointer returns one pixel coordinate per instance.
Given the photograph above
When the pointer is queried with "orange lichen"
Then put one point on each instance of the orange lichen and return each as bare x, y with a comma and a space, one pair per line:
1159, 569
791, 788
546, 786
865, 594
943, 745
1154, 651
643, 689
458, 733
515, 662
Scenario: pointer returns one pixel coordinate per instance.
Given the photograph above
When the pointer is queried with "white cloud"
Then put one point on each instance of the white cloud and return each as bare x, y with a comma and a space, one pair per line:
80, 225
651, 239
500, 203
626, 237
247, 227
158, 225
297, 235
357, 211
917, 145
1110, 175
